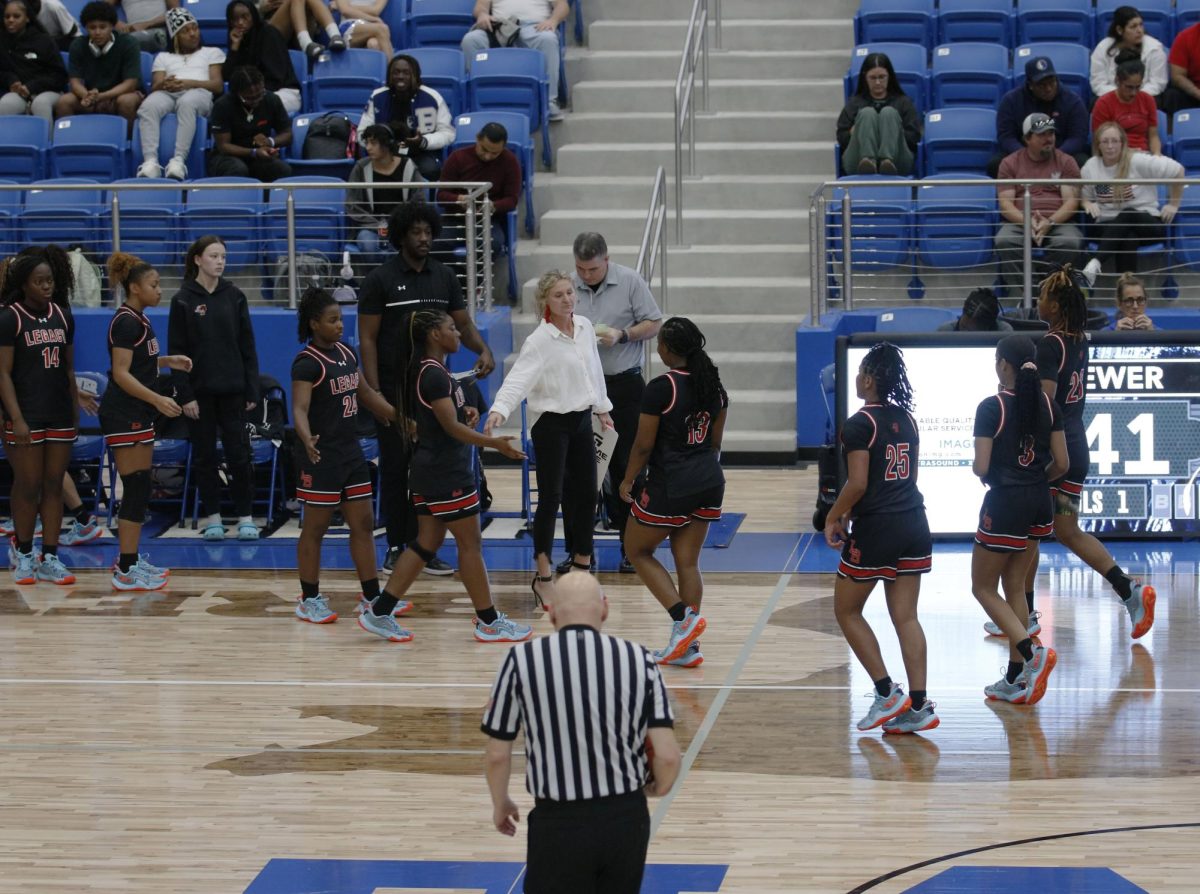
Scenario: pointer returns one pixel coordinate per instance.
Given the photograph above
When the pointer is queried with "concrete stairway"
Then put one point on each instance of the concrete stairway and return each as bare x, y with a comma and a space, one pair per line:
764, 145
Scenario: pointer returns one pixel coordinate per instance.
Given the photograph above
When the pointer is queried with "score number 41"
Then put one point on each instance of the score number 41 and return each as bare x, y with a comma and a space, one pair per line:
1100, 436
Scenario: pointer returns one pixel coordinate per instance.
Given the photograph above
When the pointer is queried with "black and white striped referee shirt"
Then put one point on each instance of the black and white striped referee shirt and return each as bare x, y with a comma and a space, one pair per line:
586, 700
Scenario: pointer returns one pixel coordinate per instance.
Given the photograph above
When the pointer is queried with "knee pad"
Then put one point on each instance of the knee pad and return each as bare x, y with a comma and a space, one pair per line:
421, 551
136, 496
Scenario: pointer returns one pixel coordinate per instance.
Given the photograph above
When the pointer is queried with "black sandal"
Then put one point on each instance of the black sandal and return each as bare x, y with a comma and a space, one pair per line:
538, 601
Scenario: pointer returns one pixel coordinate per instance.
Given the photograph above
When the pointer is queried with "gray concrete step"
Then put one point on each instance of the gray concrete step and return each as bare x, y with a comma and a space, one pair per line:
535, 258
750, 157
606, 65
730, 9
790, 34
743, 95
713, 191
657, 127
704, 226
750, 332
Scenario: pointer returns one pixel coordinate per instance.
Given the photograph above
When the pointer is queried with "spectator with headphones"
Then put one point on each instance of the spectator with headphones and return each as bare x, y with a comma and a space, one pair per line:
367, 207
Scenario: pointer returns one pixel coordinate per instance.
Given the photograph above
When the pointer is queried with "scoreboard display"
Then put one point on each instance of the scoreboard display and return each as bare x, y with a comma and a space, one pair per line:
1142, 419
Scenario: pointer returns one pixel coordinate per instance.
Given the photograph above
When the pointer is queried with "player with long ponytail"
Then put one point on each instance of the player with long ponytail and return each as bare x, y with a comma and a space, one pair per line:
888, 538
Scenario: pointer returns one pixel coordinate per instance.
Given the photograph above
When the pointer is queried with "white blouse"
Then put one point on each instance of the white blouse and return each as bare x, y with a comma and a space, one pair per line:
1104, 67
556, 373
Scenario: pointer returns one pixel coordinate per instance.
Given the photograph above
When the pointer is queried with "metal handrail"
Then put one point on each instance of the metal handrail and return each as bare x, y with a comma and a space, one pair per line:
695, 49
653, 250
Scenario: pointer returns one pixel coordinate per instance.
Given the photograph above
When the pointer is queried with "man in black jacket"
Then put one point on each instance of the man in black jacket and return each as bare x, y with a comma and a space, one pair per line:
31, 68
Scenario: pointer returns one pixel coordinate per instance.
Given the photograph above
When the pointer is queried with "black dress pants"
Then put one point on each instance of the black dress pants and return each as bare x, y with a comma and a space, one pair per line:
564, 450
224, 413
588, 847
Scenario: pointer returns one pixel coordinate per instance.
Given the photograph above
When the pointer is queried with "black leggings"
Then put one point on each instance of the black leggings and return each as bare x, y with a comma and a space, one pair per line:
226, 412
564, 448
1121, 237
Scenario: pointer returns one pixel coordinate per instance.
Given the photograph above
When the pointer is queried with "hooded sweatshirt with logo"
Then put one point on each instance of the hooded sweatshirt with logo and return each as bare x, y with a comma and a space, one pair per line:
214, 330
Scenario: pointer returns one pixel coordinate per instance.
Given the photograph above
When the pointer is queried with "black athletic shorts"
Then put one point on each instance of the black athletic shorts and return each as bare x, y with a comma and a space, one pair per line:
654, 508
332, 486
126, 432
885, 545
1012, 516
462, 502
44, 433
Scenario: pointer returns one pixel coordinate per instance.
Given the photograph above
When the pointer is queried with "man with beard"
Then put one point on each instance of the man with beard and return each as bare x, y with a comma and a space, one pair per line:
406, 101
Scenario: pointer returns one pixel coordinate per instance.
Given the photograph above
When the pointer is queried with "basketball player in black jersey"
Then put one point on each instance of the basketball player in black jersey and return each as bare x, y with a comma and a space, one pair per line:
129, 409
439, 430
1019, 446
1062, 360
679, 434
888, 539
39, 403
326, 391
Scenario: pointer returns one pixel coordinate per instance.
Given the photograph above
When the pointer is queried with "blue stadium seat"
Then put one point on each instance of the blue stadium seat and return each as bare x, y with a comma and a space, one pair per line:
10, 211
24, 140
395, 16
294, 154
1168, 141
232, 212
881, 221
439, 23
956, 225
300, 67
1052, 20
896, 21
319, 216
443, 69
908, 61
210, 16
147, 70
196, 157
66, 216
1072, 64
913, 319
1187, 13
346, 80
91, 146
149, 219
514, 79
968, 74
1157, 15
520, 141
975, 21
1186, 140
958, 141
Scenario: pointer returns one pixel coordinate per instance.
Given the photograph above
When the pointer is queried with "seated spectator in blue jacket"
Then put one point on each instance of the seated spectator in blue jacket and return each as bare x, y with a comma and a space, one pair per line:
1043, 93
980, 313
406, 101
879, 128
1131, 305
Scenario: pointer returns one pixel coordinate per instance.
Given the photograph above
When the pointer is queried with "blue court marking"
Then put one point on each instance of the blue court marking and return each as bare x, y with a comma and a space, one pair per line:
282, 876
1006, 879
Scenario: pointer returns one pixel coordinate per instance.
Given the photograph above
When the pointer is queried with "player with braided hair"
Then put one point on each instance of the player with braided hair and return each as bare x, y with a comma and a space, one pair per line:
888, 539
1019, 442
679, 436
440, 427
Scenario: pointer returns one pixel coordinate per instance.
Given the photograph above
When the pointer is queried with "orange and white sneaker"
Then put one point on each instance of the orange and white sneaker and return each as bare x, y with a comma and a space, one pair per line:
1037, 673
918, 721
51, 569
1140, 605
693, 657
885, 707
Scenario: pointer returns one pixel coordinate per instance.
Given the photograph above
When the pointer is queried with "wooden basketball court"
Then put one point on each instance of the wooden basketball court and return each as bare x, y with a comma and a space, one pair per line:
179, 741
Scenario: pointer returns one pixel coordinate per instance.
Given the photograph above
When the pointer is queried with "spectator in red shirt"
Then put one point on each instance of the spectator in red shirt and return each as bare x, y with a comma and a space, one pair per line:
1129, 107
1184, 63
488, 160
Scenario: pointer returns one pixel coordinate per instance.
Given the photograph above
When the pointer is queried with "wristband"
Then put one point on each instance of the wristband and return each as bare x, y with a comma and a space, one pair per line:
624, 337
253, 151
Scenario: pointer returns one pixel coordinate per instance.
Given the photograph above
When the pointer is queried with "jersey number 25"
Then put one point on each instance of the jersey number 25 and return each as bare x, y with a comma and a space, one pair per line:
897, 462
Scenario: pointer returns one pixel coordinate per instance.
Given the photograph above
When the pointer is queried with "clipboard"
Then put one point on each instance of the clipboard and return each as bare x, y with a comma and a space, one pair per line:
606, 443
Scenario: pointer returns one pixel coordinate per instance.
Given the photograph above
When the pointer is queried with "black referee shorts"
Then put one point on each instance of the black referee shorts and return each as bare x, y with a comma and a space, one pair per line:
1012, 516
597, 846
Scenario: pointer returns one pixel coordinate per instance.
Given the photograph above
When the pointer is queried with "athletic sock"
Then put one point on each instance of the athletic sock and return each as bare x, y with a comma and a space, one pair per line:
304, 39
384, 605
1014, 671
884, 686
24, 546
370, 589
332, 30
1025, 647
918, 698
1029, 599
487, 615
81, 514
126, 561
1120, 580
678, 611
49, 550
309, 590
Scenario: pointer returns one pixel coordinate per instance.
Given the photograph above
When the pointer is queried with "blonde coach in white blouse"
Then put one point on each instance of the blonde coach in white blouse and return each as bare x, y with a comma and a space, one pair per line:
558, 372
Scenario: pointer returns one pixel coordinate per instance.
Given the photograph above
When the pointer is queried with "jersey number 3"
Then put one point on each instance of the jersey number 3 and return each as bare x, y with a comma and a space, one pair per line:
897, 462
697, 427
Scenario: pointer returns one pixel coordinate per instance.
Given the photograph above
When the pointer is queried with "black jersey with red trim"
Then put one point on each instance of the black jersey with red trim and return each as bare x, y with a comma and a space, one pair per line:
1064, 358
1016, 460
441, 464
333, 410
889, 434
131, 330
39, 370
683, 454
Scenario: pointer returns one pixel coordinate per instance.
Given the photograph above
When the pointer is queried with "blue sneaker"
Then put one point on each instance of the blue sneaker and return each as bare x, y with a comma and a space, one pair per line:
24, 566
885, 707
682, 634
403, 607
143, 562
52, 570
693, 657
502, 630
136, 579
315, 611
78, 534
384, 626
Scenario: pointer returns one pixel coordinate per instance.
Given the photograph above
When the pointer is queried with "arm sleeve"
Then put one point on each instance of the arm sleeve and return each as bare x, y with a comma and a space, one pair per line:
451, 171
249, 350
367, 119
179, 343
453, 292
1075, 116
305, 368
516, 385
443, 134
844, 123
1157, 73
371, 300
657, 396
658, 705
911, 121
642, 302
218, 119
987, 418
596, 371
52, 74
1049, 357
1099, 76
280, 122
131, 60
1008, 124
433, 384
507, 192
858, 432
502, 717
356, 201
75, 58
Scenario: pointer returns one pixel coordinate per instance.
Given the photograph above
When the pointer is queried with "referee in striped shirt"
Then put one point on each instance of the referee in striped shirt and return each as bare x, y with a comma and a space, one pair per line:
594, 710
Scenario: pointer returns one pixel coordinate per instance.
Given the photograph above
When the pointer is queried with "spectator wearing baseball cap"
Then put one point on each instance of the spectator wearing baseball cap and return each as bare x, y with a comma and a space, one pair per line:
1042, 92
1053, 206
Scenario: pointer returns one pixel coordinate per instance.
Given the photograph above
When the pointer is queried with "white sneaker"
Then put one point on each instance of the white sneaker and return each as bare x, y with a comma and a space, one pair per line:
176, 169
556, 112
150, 169
1091, 270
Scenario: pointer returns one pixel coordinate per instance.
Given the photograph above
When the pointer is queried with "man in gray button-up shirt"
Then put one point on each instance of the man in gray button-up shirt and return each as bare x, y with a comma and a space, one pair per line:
614, 296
